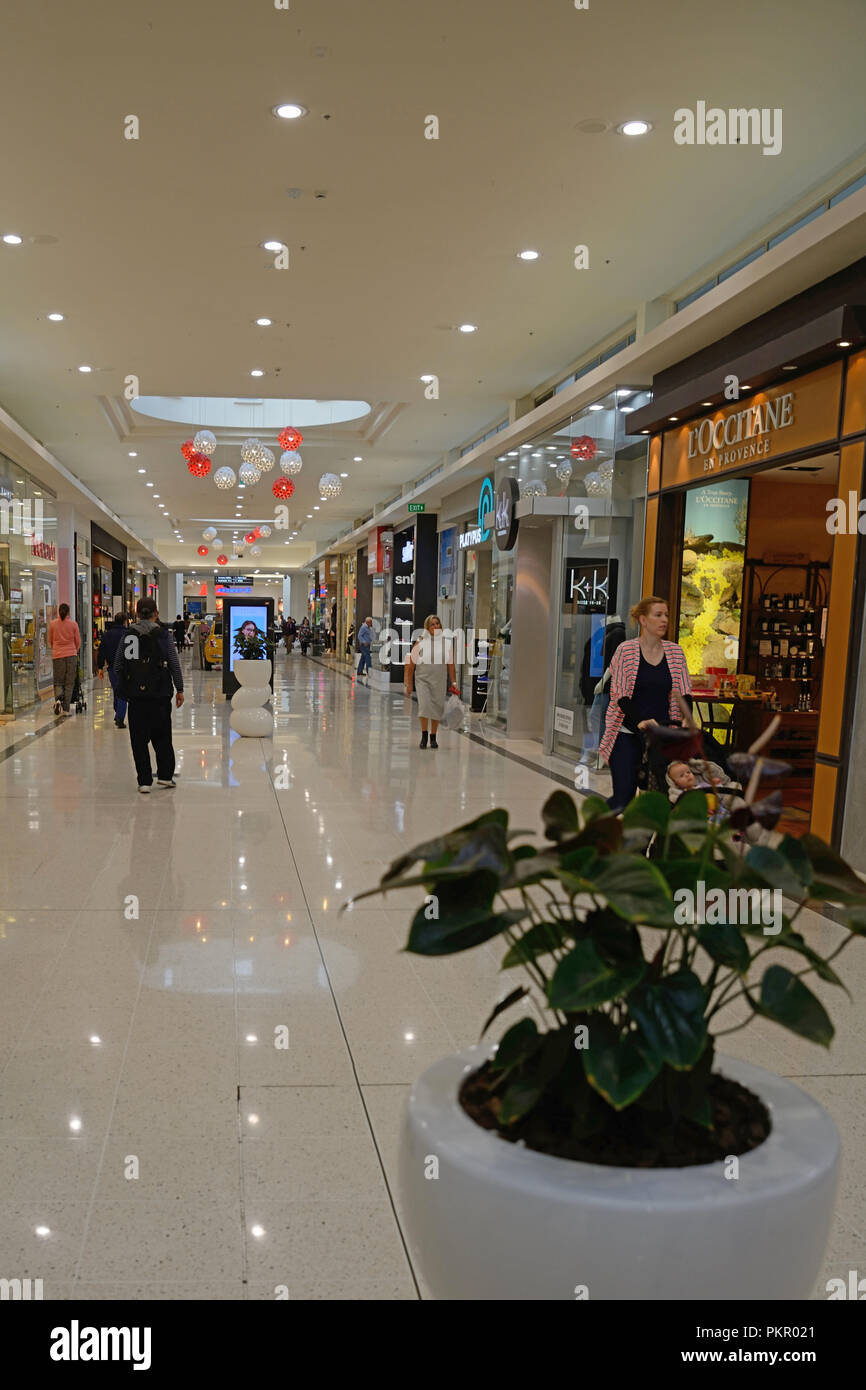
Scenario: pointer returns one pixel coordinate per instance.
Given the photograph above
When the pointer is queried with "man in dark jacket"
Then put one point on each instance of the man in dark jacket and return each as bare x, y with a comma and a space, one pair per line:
105, 659
146, 667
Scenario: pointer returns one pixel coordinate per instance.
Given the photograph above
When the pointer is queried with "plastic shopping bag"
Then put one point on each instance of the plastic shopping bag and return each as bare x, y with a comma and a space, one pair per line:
455, 712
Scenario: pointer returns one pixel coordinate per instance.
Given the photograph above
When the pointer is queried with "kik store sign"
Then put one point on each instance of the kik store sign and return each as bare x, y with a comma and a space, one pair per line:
590, 587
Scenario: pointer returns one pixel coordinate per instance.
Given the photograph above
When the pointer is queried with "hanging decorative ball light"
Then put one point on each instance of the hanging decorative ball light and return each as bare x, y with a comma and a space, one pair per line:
217, 543
198, 465
291, 462
205, 441
248, 474
605, 472
534, 488
283, 488
594, 485
251, 538
222, 559
255, 551
290, 438
203, 550
225, 478
264, 532
330, 485
564, 471
249, 450
584, 448
187, 449
209, 533
265, 460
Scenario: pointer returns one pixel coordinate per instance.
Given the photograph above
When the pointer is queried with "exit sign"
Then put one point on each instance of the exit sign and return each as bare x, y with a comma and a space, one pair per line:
416, 506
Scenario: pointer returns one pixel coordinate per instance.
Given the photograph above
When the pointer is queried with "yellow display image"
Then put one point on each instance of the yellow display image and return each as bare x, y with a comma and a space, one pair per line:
711, 587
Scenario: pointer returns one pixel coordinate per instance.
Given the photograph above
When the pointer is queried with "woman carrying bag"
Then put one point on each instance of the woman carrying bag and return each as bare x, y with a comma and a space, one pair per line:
430, 669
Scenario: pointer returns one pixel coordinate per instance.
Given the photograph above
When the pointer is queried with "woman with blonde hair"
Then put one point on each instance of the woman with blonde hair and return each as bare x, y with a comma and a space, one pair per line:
646, 674
430, 667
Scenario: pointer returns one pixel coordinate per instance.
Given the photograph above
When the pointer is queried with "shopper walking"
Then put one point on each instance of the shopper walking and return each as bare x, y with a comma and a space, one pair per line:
646, 673
365, 642
305, 636
64, 640
146, 667
430, 669
179, 629
111, 638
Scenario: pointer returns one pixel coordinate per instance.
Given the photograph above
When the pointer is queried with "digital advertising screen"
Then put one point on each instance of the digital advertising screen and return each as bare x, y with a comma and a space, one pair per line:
239, 614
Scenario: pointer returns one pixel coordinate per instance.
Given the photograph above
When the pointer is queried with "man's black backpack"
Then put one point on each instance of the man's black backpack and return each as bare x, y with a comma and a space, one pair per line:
144, 663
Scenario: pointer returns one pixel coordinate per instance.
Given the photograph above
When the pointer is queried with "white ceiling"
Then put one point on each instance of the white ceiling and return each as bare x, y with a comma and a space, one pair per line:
151, 248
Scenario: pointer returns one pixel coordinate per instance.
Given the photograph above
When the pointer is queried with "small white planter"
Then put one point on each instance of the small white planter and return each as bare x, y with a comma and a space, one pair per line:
505, 1222
250, 716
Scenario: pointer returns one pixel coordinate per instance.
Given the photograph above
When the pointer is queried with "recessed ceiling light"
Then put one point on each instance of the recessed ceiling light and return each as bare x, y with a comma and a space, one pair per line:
626, 409
290, 111
596, 407
264, 323
272, 246
358, 459
625, 391
426, 377
148, 485
673, 418
791, 367
257, 371
513, 454
12, 239
843, 342
644, 431
706, 402
634, 127
56, 318
315, 509
142, 470
344, 475
133, 455
527, 255
309, 516
156, 494
85, 369
468, 328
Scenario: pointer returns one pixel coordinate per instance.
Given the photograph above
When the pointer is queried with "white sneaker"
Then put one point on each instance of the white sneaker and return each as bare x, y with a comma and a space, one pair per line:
145, 791
160, 783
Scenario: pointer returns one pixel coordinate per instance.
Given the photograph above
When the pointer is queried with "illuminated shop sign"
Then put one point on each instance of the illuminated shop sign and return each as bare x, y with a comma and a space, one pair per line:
742, 435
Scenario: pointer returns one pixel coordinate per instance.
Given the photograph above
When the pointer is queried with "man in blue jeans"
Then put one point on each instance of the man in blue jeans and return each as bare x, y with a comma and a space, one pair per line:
105, 657
365, 642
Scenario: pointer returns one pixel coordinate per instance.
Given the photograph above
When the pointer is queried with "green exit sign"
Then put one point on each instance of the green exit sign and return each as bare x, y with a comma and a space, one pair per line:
416, 506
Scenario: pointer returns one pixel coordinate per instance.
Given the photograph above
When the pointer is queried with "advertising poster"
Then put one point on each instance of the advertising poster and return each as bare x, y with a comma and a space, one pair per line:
711, 585
249, 617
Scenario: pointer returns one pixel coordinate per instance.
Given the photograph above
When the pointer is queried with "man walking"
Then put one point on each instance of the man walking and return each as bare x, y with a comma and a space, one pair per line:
179, 627
146, 667
111, 638
64, 640
365, 642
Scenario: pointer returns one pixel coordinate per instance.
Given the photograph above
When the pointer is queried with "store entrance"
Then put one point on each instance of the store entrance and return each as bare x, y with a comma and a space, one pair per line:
753, 592
478, 569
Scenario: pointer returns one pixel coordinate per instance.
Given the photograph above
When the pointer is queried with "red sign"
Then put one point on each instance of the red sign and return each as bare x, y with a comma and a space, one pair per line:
42, 550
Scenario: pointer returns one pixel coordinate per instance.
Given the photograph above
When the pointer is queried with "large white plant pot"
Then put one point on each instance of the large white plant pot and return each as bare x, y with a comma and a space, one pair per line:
505, 1222
250, 717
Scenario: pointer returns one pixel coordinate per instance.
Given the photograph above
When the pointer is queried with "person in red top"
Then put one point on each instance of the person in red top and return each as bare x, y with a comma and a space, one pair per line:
65, 642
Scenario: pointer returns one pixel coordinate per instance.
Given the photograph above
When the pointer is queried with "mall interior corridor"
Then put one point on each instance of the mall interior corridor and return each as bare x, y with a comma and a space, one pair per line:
155, 1142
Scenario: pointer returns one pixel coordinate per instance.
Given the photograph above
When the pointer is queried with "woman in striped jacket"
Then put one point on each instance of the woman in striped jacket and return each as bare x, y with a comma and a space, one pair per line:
646, 672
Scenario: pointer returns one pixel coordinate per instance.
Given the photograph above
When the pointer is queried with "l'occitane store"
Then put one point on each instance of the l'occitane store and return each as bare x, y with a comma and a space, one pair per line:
751, 536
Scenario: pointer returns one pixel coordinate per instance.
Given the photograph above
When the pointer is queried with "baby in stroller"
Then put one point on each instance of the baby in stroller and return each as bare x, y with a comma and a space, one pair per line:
726, 795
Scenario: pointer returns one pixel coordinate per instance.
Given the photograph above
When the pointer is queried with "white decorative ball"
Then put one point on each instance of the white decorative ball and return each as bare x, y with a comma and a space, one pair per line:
594, 484
205, 441
209, 533
249, 474
564, 471
249, 450
252, 723
225, 478
605, 472
255, 551
264, 532
291, 462
534, 488
265, 459
330, 485
218, 545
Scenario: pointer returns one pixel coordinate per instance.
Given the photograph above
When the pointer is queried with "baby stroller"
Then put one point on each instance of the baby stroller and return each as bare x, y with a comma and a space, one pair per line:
77, 697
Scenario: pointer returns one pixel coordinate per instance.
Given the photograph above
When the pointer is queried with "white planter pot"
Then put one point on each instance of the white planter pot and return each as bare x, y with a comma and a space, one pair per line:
252, 672
252, 723
251, 696
505, 1222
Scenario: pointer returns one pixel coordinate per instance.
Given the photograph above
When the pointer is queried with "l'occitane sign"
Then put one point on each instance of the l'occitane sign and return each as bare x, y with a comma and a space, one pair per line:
773, 423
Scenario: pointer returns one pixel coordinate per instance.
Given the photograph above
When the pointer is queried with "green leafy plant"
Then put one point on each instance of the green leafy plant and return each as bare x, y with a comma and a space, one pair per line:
633, 997
252, 646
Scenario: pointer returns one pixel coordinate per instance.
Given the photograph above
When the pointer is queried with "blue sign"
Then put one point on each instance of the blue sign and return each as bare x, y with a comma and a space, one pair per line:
486, 503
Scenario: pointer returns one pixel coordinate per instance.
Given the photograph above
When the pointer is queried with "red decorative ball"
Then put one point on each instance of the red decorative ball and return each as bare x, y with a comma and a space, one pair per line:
199, 465
222, 559
290, 438
584, 448
250, 538
283, 488
202, 550
188, 449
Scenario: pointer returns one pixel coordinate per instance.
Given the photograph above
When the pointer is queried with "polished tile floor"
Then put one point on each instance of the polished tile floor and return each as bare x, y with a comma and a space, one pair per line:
154, 1142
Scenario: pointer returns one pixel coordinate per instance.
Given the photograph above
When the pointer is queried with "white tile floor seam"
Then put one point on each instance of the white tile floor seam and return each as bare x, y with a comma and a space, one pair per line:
259, 1166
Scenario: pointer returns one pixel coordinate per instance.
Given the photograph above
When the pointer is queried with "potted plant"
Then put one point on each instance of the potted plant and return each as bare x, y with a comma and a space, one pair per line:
614, 1152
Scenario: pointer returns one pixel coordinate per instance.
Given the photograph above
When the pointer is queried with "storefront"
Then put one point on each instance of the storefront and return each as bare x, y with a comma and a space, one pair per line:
414, 572
108, 562
28, 587
752, 541
464, 594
